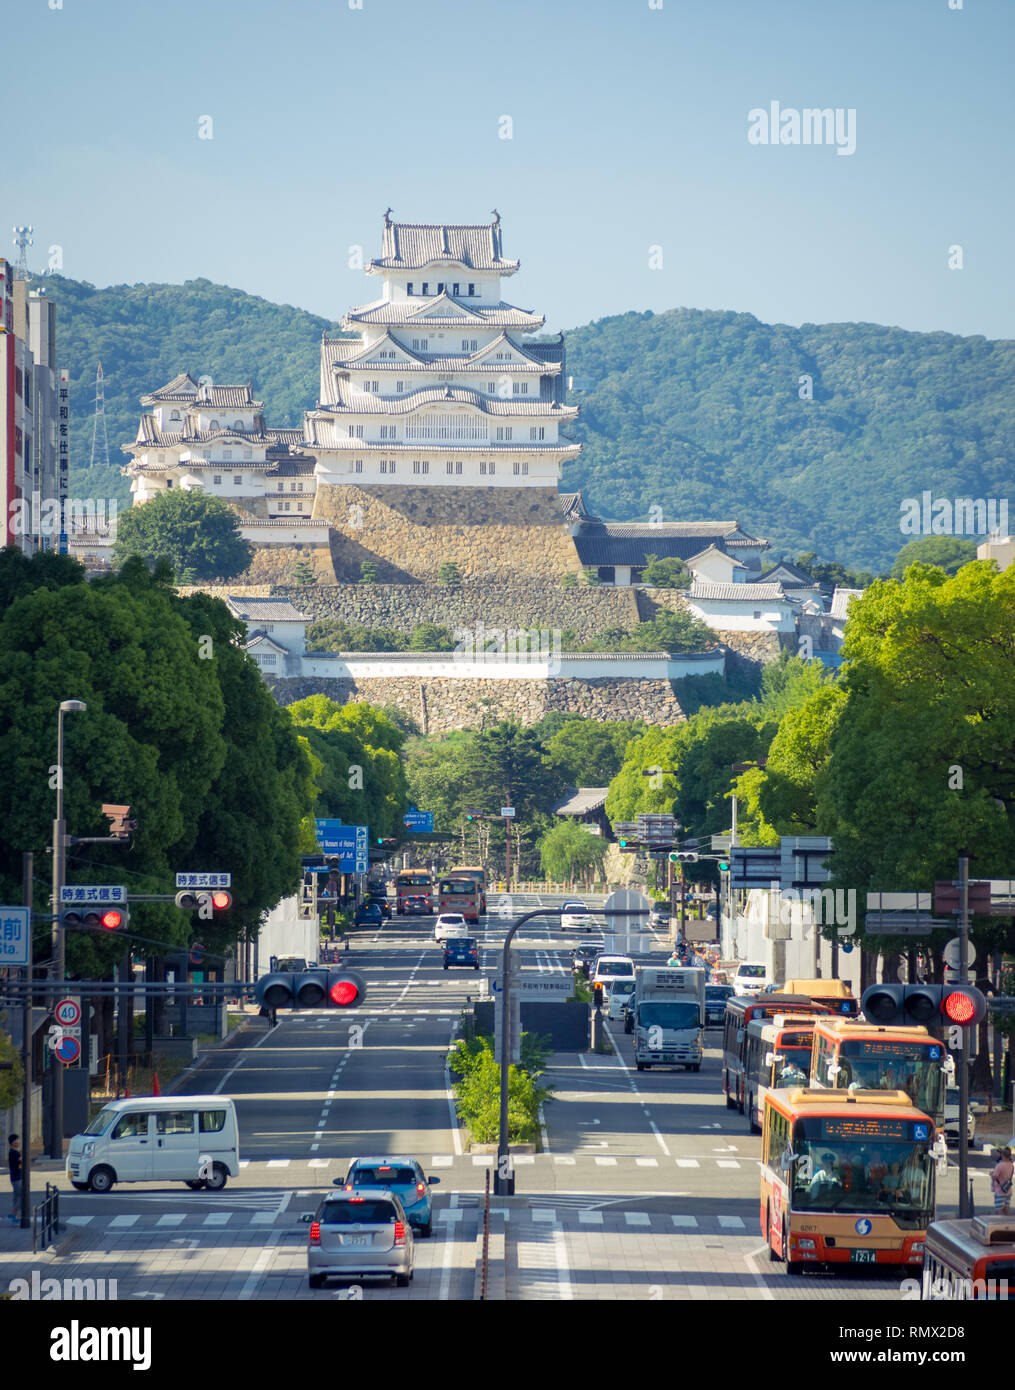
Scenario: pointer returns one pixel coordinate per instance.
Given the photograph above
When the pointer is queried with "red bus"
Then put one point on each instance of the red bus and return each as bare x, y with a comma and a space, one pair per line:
740, 1010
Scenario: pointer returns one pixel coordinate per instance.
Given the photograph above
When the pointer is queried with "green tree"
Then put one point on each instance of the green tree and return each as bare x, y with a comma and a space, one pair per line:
504, 766
303, 572
429, 637
669, 573
449, 573
590, 754
950, 553
922, 760
568, 851
190, 530
362, 779
832, 572
367, 572
12, 1074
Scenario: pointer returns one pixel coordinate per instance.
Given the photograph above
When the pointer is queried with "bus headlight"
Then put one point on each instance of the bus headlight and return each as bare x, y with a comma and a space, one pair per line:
916, 1248
806, 1245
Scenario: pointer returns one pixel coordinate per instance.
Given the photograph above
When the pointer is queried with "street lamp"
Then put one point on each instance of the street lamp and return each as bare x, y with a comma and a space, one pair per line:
59, 968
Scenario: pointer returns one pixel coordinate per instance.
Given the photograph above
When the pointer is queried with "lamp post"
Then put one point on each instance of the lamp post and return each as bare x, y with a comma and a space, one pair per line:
59, 967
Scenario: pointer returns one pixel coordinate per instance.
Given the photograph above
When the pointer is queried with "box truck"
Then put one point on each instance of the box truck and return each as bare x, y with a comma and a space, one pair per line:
667, 1017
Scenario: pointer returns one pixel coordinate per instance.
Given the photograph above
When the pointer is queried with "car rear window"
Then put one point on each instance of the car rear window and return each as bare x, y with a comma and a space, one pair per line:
381, 1177
460, 943
356, 1212
614, 967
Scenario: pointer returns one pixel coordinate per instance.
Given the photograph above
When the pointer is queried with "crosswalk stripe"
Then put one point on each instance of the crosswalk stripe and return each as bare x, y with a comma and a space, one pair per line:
279, 1162
79, 1220
647, 1162
637, 1218
563, 1158
519, 1159
120, 1222
442, 1160
591, 1218
217, 1218
689, 1221
263, 1218
319, 1163
171, 1218
727, 1163
688, 1163
731, 1222
482, 1160
602, 1162
544, 1214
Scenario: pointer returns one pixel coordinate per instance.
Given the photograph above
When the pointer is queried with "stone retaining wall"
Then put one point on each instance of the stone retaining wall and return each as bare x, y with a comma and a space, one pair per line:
587, 610
508, 533
437, 705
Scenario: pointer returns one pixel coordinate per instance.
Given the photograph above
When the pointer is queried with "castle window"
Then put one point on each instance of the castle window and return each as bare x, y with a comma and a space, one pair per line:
426, 287
358, 466
169, 482
518, 467
214, 424
519, 388
217, 480
535, 433
421, 344
237, 424
355, 431
238, 479
268, 659
440, 286
472, 291
419, 466
455, 288
470, 344
757, 612
384, 431
399, 387
488, 468
248, 453
504, 431
299, 487
408, 289
227, 453
299, 506
491, 386
162, 458
175, 415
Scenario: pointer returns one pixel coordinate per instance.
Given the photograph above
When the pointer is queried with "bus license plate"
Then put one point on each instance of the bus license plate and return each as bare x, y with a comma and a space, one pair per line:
864, 1257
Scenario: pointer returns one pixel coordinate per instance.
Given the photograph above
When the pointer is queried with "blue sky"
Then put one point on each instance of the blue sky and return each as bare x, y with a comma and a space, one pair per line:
629, 132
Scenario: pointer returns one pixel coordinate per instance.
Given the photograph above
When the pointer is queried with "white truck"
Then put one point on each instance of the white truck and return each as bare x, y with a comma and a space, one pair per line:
667, 1017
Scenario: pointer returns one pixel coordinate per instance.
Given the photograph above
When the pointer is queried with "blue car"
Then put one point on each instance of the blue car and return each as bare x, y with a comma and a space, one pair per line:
402, 1176
369, 914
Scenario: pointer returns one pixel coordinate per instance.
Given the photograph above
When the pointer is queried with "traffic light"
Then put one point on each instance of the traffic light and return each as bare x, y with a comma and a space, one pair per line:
896, 1005
685, 857
723, 866
97, 917
320, 988
386, 842
205, 903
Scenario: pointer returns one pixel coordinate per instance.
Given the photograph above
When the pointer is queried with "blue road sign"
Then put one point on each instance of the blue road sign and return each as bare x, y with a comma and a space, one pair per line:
327, 824
350, 844
419, 820
14, 931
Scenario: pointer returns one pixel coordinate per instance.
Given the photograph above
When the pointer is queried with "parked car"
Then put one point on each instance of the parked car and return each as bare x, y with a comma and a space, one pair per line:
450, 924
358, 1233
461, 950
402, 1176
952, 1114
715, 1004
610, 967
576, 916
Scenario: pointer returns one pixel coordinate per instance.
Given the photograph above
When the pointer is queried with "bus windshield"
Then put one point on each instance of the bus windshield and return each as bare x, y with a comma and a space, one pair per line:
886, 1170
668, 1015
456, 887
886, 1066
794, 1068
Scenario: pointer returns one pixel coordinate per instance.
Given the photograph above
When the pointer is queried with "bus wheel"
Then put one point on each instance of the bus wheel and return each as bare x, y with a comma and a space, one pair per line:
794, 1267
755, 1127
768, 1235
730, 1102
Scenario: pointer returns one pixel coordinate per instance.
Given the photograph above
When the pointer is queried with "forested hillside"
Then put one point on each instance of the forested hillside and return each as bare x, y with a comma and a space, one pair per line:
696, 414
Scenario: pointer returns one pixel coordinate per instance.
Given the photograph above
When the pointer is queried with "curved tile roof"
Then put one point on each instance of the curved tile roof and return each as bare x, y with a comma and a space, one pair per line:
414, 245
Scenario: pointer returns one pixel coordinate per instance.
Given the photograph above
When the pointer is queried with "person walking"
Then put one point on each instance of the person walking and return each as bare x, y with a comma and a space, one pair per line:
14, 1169
1001, 1179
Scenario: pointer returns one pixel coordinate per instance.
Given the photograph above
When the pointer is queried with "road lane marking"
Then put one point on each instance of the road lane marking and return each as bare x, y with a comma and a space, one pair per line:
544, 1214
647, 1162
634, 1087
239, 1063
732, 1223
637, 1218
260, 1265
563, 1272
449, 1251
121, 1222
172, 1218
688, 1163
591, 1218
756, 1273
456, 1137
690, 1222
441, 1160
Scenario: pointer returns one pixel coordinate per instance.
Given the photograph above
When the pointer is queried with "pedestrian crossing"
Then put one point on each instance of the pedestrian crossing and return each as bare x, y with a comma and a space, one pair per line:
566, 1212
623, 1162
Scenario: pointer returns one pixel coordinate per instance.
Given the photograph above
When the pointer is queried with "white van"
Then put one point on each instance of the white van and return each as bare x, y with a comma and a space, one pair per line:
750, 978
609, 968
191, 1139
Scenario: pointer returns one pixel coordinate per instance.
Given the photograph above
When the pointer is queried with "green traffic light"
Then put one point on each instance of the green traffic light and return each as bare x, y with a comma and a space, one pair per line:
724, 866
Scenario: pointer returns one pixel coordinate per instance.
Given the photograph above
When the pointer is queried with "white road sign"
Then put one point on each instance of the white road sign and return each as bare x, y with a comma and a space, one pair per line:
507, 811
950, 954
68, 1013
204, 880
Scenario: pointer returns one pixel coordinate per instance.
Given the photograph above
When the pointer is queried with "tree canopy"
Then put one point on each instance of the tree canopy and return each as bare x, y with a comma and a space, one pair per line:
196, 534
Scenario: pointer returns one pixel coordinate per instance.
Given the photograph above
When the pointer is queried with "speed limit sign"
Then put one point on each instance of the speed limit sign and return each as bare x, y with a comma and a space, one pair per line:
67, 1013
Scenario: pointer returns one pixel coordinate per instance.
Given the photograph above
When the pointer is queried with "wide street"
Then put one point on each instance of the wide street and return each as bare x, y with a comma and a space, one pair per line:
647, 1186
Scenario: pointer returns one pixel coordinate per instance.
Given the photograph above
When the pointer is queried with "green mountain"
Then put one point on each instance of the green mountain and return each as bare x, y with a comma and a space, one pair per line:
687, 414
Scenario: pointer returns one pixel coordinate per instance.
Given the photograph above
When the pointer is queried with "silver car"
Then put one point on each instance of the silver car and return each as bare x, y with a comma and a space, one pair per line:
357, 1234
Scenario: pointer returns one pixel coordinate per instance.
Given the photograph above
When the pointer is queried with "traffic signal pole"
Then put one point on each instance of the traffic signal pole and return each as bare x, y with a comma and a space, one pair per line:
964, 1034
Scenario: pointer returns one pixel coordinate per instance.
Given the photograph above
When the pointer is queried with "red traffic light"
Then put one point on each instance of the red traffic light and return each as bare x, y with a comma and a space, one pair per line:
220, 900
964, 1006
346, 988
111, 918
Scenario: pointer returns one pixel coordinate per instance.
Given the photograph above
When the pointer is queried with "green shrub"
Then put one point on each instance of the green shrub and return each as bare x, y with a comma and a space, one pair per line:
477, 1092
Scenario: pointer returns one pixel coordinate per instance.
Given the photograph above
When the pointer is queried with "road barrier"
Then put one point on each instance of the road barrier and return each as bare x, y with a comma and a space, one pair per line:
46, 1219
484, 1277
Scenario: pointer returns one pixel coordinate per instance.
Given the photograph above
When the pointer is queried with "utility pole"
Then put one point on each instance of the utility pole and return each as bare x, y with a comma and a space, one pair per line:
507, 843
59, 969
964, 1036
27, 863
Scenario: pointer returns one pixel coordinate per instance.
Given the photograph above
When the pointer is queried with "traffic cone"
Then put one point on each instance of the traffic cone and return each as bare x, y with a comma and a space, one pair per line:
126, 1093
156, 1088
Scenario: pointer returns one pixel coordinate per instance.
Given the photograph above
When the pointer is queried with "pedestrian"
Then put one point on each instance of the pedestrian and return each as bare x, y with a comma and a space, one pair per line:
14, 1169
1000, 1180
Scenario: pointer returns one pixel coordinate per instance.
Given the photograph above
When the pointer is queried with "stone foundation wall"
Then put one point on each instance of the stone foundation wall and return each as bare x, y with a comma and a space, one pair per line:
505, 533
587, 610
438, 705
273, 564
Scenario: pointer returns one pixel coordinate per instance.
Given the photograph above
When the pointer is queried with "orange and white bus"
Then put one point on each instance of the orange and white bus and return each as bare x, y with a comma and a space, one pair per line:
478, 874
969, 1260
835, 993
846, 1179
778, 1054
740, 1010
870, 1057
413, 891
459, 895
